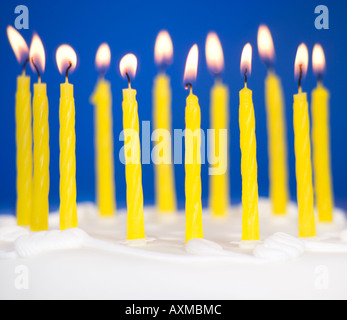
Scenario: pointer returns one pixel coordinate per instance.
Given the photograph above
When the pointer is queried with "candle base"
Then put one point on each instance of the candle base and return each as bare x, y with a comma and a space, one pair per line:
138, 242
249, 244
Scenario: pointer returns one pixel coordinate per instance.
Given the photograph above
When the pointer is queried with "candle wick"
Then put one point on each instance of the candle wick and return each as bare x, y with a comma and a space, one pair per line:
218, 77
246, 78
67, 72
320, 78
300, 77
102, 74
129, 81
24, 65
162, 68
190, 87
37, 69
269, 65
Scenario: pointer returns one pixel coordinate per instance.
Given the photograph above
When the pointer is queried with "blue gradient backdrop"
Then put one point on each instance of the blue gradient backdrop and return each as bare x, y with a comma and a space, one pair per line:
132, 26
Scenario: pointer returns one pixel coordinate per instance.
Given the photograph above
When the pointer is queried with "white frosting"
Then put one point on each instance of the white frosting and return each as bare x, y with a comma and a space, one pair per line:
7, 221
46, 241
164, 266
95, 261
199, 250
280, 247
8, 255
327, 247
202, 247
11, 233
343, 236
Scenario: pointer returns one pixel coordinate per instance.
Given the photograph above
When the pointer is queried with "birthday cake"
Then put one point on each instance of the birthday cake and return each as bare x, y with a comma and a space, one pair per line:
141, 253
95, 261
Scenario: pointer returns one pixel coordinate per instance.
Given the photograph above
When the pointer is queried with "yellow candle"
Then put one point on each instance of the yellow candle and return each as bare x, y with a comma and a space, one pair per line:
24, 151
307, 227
23, 131
102, 100
219, 183
164, 172
250, 216
194, 227
104, 149
133, 169
67, 138
219, 180
39, 219
66, 59
276, 126
193, 169
277, 145
321, 142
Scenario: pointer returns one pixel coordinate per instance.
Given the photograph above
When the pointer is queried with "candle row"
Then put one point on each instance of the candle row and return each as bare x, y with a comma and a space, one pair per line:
33, 188
279, 194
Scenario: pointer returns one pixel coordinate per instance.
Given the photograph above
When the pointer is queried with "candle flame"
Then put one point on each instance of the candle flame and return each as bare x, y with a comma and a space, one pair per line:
214, 54
163, 49
128, 65
246, 59
66, 57
301, 61
318, 59
265, 44
18, 44
191, 69
37, 54
103, 58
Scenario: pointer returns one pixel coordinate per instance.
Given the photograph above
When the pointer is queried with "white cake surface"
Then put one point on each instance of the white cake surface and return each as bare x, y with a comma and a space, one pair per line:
96, 262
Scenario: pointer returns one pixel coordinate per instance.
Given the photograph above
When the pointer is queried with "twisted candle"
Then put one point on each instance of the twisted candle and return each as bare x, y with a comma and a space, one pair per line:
133, 170
67, 138
194, 227
321, 154
164, 172
303, 166
24, 151
250, 218
219, 183
277, 145
39, 220
102, 100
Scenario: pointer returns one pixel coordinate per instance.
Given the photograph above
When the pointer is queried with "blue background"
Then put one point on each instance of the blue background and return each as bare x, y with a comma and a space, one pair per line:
132, 26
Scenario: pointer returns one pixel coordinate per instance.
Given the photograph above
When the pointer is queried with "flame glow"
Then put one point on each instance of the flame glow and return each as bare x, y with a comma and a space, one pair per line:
18, 44
246, 59
191, 69
318, 59
163, 49
301, 61
214, 53
103, 58
265, 44
37, 54
128, 65
66, 56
